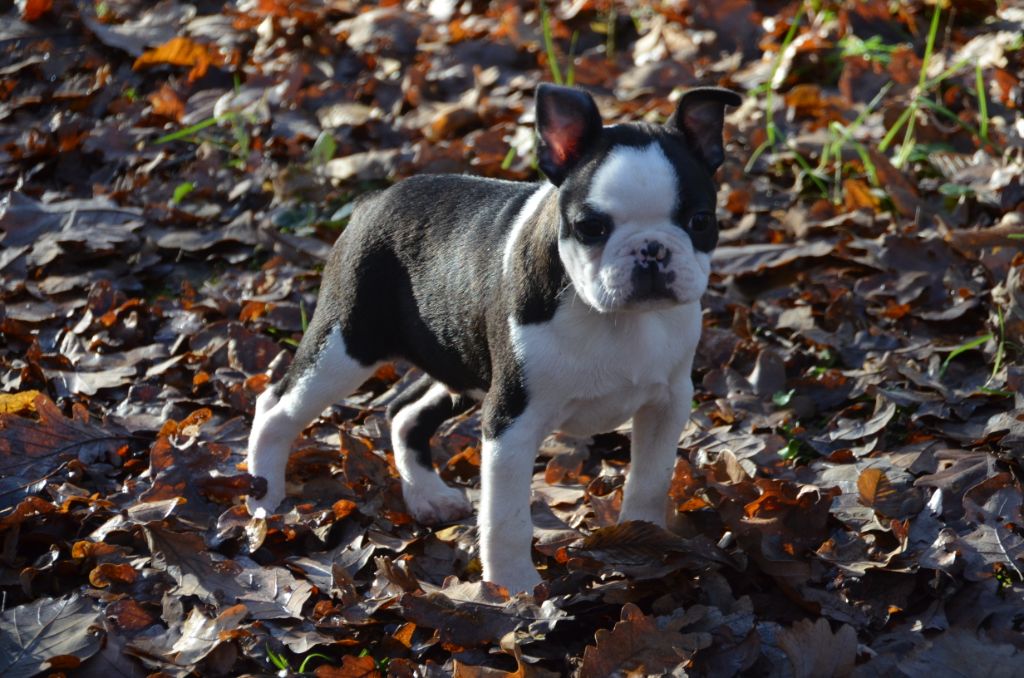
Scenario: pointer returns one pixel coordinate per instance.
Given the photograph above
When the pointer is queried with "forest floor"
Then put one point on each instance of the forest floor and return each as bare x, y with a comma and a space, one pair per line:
848, 493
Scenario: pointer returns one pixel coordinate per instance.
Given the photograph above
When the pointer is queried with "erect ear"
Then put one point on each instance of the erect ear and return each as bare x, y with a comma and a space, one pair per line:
699, 117
567, 122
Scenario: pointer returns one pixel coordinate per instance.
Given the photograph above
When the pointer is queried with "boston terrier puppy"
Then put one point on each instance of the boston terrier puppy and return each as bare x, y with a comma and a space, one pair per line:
570, 305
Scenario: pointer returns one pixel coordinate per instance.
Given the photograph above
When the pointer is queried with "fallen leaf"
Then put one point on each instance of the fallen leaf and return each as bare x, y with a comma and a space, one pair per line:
351, 667
180, 51
167, 104
814, 650
200, 634
963, 652
34, 10
34, 633
31, 448
18, 403
636, 644
877, 492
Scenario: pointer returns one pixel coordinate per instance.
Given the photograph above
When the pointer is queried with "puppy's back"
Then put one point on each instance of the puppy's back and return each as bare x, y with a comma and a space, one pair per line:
410, 271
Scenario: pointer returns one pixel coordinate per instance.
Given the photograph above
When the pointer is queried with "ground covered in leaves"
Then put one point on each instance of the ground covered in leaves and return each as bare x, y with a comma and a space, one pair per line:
848, 495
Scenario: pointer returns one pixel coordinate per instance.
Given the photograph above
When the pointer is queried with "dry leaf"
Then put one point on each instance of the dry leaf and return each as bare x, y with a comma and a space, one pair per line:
816, 652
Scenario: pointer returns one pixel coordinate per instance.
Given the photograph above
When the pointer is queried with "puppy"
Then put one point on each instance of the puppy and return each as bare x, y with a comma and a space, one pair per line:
572, 305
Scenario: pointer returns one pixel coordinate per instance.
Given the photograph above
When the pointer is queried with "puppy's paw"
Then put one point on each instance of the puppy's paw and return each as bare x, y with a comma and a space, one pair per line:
517, 579
656, 517
437, 504
268, 503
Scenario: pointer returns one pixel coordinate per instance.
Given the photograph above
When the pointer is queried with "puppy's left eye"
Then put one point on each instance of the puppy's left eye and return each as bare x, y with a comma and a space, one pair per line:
703, 223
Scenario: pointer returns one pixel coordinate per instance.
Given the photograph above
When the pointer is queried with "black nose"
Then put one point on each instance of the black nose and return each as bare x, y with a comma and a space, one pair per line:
654, 251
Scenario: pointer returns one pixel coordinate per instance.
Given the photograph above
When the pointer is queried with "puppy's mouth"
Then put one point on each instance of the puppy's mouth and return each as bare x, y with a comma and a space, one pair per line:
652, 282
642, 287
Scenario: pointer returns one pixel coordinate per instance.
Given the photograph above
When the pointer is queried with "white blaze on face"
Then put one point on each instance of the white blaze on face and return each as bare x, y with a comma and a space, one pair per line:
638, 188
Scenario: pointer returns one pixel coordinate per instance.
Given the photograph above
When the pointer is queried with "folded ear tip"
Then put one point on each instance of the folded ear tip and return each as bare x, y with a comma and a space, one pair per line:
547, 90
726, 97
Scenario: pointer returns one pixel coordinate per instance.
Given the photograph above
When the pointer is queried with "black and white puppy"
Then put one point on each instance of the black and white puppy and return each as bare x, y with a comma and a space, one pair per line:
570, 305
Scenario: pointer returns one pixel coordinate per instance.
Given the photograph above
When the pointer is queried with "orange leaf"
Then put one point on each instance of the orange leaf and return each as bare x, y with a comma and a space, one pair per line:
166, 103
253, 310
386, 372
875, 490
179, 51
351, 667
858, 195
404, 634
190, 425
92, 549
804, 99
105, 574
33, 10
894, 310
257, 382
692, 504
772, 500
343, 508
63, 662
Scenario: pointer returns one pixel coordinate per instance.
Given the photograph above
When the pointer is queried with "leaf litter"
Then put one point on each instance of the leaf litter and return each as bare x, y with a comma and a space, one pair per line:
847, 497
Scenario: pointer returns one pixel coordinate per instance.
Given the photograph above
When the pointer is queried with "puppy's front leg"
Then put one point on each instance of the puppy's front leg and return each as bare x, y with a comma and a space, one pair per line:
506, 528
656, 430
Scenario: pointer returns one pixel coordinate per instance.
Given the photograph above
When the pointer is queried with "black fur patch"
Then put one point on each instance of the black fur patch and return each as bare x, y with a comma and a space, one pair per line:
429, 417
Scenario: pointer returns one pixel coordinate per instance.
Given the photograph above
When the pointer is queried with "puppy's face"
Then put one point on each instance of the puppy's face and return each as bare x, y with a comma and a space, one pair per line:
638, 226
636, 201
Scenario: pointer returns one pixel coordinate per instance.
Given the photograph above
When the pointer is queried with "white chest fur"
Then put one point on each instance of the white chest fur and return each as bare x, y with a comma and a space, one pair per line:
589, 372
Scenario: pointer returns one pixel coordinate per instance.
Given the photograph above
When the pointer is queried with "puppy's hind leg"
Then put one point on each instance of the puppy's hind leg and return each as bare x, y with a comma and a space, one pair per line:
322, 373
415, 416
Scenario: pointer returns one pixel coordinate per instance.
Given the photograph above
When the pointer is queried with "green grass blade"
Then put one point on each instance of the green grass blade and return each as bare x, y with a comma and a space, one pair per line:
509, 158
907, 147
315, 655
806, 166
570, 67
979, 84
191, 129
929, 48
953, 117
765, 145
549, 45
963, 348
182, 190
278, 660
896, 126
952, 70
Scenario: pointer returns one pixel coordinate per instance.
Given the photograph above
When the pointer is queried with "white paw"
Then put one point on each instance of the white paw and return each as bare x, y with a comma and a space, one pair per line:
656, 514
515, 579
268, 503
439, 503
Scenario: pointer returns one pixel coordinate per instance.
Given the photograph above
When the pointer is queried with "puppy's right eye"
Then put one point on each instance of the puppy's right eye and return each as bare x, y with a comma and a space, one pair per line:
591, 230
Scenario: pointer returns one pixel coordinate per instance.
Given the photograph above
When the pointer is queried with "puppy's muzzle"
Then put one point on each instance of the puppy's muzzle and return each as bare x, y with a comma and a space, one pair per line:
652, 278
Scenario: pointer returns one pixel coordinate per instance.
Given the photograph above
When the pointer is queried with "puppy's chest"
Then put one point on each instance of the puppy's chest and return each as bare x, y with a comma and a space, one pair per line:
591, 371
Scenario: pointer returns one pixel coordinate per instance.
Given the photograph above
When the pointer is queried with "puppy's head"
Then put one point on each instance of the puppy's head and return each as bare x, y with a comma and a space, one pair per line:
636, 201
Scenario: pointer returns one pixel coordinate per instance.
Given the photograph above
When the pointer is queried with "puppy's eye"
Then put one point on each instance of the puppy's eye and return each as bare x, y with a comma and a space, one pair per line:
703, 222
591, 230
